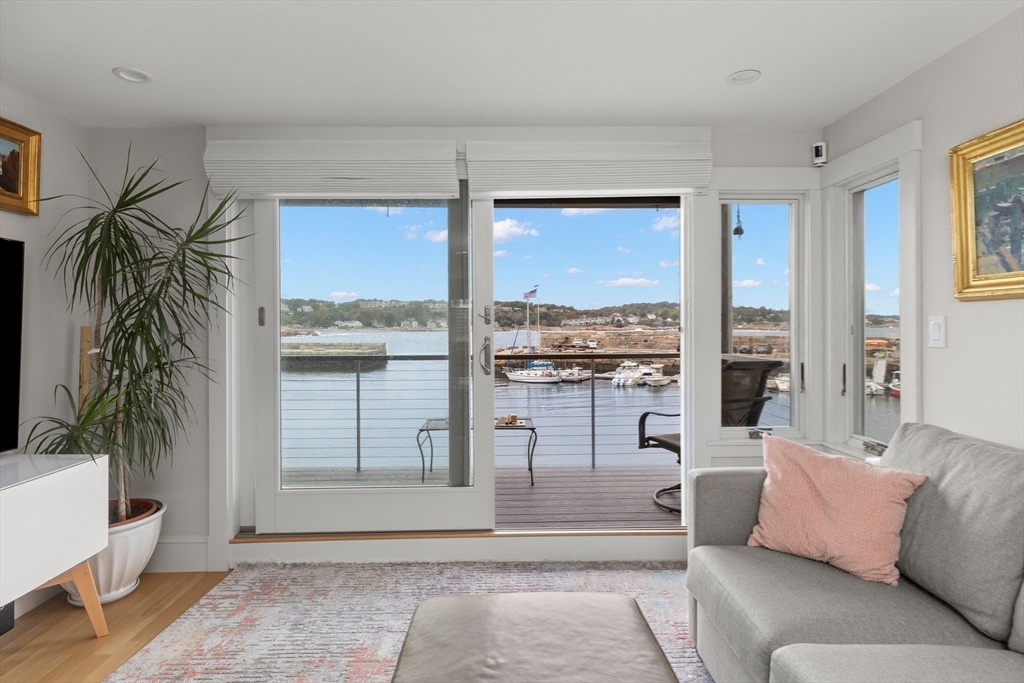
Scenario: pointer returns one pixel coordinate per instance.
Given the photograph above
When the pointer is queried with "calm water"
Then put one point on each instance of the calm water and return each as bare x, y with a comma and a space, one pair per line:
318, 412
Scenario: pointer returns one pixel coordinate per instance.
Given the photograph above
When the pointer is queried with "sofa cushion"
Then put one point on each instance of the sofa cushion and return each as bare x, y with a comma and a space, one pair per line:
763, 600
1016, 641
833, 509
963, 536
807, 663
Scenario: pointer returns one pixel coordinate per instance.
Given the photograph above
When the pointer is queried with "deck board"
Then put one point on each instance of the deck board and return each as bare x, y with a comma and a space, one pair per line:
610, 497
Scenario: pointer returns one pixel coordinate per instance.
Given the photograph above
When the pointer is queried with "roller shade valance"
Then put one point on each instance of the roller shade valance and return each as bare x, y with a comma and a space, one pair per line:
310, 168
552, 168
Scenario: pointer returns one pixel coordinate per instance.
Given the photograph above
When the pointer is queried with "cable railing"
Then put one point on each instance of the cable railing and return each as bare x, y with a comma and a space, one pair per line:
367, 415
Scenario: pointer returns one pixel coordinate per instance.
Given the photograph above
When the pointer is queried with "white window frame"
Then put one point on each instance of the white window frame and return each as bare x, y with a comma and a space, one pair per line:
799, 314
893, 156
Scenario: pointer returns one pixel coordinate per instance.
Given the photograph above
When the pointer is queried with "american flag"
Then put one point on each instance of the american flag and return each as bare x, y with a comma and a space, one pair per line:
532, 294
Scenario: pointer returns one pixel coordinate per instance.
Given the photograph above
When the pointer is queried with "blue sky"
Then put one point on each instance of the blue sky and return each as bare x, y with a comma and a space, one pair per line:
881, 249
586, 258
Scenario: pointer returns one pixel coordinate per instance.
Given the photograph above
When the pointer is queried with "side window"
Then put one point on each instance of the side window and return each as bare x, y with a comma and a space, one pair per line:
874, 373
758, 381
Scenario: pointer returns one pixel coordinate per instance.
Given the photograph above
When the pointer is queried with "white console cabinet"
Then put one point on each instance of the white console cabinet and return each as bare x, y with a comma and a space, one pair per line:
53, 518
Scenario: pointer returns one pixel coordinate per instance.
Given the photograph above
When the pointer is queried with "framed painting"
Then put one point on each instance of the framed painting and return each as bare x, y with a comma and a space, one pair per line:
19, 168
987, 179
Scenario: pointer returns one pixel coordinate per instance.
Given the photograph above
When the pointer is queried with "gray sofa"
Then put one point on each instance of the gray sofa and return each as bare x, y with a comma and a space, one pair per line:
956, 615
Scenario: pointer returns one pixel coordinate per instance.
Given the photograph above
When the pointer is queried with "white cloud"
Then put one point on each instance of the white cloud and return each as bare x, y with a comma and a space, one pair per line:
746, 283
638, 273
527, 257
581, 212
510, 228
546, 275
343, 296
667, 221
624, 250
665, 263
500, 253
574, 271
871, 287
762, 262
437, 235
287, 260
630, 282
410, 231
895, 292
389, 210
786, 271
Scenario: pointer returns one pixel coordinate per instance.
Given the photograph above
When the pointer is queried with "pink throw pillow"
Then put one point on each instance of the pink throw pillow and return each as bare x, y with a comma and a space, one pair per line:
833, 509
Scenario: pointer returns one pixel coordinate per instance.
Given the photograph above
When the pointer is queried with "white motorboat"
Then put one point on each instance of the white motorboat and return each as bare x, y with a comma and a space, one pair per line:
872, 389
576, 374
626, 375
652, 375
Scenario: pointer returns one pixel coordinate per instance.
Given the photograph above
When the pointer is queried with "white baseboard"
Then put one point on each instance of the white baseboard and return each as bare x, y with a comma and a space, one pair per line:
179, 554
27, 603
523, 549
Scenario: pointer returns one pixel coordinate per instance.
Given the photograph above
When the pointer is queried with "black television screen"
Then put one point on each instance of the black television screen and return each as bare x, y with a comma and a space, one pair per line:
12, 272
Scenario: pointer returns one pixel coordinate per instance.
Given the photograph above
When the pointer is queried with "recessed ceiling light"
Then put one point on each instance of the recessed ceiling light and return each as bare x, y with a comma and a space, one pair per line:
743, 77
132, 75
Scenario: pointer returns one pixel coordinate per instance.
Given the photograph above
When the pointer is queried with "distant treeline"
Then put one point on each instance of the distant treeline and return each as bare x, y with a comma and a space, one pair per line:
322, 313
507, 314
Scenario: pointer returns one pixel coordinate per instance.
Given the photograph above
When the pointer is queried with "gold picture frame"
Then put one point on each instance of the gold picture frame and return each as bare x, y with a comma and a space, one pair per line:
988, 221
19, 168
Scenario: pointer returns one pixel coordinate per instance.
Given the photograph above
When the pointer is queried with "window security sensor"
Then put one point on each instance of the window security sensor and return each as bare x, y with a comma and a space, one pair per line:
819, 154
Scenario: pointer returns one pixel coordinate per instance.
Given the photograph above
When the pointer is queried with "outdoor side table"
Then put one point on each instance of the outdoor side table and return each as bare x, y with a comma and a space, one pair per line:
429, 426
441, 424
525, 424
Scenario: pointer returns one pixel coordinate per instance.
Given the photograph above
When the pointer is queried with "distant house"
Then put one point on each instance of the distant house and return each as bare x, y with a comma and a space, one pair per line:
351, 324
651, 316
306, 309
285, 308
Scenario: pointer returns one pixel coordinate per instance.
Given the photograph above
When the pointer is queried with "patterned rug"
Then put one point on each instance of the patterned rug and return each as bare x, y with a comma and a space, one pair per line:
346, 622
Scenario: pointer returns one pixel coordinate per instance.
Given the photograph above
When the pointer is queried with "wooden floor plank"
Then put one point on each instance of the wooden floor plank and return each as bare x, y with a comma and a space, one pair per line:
55, 642
606, 497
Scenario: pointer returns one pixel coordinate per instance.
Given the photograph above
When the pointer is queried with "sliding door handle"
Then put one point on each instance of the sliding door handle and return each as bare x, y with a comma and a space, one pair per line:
485, 356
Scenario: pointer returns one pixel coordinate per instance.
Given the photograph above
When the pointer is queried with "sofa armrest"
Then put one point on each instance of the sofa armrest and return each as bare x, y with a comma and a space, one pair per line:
721, 505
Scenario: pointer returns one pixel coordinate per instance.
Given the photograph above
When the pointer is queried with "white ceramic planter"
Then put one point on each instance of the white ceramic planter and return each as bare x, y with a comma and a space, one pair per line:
116, 568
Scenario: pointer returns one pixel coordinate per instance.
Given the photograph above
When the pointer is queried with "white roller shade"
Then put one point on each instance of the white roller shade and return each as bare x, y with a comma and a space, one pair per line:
542, 169
309, 168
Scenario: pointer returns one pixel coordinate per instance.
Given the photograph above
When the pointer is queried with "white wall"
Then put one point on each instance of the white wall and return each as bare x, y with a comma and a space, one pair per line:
763, 147
181, 482
49, 343
976, 385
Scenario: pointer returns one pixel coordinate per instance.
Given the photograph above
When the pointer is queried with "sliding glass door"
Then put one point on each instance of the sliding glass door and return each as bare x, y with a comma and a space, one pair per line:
364, 365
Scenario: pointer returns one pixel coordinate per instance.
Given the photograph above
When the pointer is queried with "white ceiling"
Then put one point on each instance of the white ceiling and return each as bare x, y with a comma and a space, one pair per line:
483, 63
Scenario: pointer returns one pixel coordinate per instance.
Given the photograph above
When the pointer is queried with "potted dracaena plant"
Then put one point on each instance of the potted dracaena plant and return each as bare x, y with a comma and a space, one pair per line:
151, 289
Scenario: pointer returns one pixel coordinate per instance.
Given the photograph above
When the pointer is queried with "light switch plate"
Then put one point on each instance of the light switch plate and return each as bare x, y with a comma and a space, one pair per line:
937, 331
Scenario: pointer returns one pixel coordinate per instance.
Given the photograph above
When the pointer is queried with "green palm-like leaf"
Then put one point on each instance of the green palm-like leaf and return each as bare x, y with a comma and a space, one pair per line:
153, 289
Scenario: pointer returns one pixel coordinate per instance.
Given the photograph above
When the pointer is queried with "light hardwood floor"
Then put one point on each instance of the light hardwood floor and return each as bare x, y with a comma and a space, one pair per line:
55, 642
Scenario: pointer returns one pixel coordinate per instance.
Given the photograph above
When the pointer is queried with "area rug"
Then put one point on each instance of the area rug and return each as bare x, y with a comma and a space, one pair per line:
346, 622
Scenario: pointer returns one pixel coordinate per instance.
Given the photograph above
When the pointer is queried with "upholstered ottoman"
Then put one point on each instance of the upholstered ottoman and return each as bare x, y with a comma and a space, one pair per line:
569, 637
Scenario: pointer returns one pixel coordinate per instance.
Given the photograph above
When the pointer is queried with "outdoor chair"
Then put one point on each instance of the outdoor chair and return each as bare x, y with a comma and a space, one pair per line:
743, 385
669, 442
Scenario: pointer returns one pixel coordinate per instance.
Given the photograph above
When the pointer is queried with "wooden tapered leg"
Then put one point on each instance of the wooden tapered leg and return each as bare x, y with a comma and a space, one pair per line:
81, 574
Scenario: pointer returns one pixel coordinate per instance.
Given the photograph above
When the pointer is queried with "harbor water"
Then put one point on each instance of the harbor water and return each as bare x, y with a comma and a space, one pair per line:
319, 413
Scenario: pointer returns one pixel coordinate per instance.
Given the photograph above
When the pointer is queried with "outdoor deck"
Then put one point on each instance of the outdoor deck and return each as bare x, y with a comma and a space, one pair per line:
608, 497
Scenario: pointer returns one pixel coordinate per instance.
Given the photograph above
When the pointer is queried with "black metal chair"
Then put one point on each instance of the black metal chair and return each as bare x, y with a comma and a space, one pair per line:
669, 442
743, 399
743, 385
